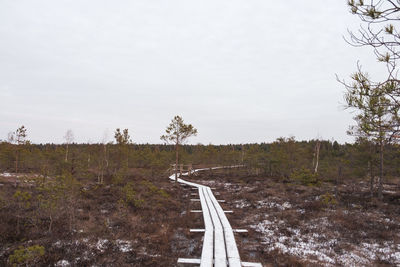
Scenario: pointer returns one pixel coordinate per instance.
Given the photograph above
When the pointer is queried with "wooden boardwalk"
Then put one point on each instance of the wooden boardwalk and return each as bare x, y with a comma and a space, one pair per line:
219, 245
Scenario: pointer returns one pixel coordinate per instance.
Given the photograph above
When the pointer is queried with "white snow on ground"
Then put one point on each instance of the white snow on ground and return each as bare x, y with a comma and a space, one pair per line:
301, 211
271, 204
240, 204
58, 244
266, 203
124, 245
102, 244
317, 247
63, 263
31, 175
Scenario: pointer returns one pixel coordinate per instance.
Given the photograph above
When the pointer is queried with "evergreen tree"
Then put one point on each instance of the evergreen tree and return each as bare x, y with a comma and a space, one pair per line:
177, 133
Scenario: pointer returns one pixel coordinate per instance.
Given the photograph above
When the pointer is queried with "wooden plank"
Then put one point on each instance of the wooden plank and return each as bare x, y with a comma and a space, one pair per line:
203, 230
207, 250
219, 239
219, 245
189, 261
208, 241
197, 230
251, 264
240, 230
231, 247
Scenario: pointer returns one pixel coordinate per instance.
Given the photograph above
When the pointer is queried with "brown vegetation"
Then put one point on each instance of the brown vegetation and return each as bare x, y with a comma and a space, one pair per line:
301, 225
146, 224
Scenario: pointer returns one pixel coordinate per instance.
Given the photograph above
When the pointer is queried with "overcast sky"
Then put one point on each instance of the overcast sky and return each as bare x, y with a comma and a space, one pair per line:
239, 71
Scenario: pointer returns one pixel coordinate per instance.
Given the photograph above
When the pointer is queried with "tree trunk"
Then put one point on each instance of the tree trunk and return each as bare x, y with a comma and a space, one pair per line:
380, 182
317, 146
66, 154
176, 162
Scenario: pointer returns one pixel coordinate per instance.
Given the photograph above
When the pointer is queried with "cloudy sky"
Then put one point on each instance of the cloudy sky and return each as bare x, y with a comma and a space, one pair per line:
240, 71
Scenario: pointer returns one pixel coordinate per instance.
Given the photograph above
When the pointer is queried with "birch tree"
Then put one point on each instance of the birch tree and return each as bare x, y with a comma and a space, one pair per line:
69, 138
316, 156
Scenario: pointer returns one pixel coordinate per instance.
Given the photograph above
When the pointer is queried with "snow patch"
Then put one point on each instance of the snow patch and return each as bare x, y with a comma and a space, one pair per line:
271, 204
58, 244
63, 263
124, 245
319, 246
240, 204
102, 245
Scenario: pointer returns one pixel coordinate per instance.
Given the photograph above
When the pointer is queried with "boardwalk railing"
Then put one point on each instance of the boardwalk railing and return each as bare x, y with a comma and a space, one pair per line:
219, 245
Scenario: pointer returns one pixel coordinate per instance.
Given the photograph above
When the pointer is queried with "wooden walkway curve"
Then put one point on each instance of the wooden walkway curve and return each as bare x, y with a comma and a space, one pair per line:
219, 245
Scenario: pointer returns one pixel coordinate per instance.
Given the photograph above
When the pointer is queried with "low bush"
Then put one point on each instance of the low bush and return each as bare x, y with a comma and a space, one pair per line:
129, 196
305, 177
328, 199
26, 256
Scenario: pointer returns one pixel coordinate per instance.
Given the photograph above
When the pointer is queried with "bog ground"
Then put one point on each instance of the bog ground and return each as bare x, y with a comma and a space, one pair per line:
146, 222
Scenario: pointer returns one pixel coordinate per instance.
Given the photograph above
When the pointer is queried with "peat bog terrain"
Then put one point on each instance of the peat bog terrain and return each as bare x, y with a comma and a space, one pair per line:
144, 220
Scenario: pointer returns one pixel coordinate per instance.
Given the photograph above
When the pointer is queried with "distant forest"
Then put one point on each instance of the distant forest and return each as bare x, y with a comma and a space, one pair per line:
286, 158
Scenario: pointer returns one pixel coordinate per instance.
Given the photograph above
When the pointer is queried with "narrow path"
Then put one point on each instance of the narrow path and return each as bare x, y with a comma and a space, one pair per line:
219, 245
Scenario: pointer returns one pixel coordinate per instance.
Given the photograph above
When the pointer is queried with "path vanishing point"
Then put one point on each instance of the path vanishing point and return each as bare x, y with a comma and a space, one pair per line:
219, 245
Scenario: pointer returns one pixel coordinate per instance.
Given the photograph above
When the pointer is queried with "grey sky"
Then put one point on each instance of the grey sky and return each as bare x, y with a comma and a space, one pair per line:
239, 71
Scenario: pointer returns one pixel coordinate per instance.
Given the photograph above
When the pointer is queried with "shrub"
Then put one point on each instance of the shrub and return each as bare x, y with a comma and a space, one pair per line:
117, 178
155, 190
23, 198
27, 256
305, 177
328, 199
129, 196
